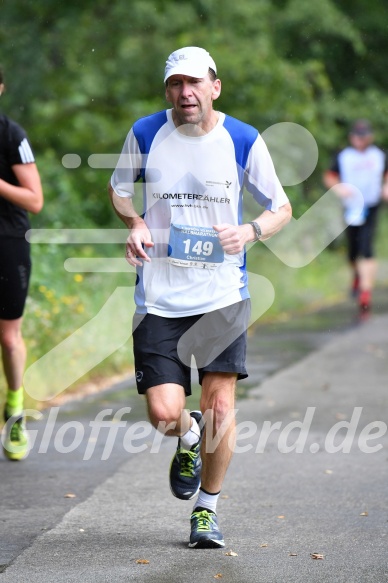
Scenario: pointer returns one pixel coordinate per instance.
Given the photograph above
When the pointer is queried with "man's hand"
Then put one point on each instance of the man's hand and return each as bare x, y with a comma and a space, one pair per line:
343, 190
234, 237
332, 180
139, 235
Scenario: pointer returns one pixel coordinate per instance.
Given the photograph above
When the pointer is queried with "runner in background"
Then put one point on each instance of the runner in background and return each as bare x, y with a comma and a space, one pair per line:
363, 165
20, 193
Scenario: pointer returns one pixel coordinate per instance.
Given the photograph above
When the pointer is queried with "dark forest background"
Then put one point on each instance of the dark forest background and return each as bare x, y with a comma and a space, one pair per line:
80, 72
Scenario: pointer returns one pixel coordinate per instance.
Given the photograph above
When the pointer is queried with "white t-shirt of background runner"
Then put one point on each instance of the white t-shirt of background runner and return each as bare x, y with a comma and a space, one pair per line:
365, 171
191, 184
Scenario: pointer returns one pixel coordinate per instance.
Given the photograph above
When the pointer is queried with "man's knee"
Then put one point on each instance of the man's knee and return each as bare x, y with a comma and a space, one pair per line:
165, 407
162, 415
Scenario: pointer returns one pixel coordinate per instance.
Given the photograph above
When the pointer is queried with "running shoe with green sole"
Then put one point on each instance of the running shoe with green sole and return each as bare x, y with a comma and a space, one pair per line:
185, 469
205, 533
15, 437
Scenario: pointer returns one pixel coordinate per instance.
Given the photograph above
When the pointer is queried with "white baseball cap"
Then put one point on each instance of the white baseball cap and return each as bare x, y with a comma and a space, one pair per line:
190, 61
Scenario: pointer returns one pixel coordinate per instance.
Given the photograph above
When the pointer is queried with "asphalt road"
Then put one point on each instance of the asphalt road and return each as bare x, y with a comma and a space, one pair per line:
304, 501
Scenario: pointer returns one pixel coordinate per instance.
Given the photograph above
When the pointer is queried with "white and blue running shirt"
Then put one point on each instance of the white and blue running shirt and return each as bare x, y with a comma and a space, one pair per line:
191, 184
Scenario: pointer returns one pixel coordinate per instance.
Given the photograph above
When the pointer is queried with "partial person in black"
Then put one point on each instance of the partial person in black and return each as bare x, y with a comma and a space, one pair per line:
360, 167
20, 193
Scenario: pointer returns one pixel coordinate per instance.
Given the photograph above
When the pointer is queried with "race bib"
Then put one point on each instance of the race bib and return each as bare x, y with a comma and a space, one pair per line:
194, 247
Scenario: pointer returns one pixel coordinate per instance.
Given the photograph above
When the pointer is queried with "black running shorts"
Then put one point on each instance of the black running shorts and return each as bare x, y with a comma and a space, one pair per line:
15, 269
164, 348
361, 238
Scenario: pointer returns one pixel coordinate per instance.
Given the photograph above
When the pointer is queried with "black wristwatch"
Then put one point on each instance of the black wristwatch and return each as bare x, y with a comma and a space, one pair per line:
256, 228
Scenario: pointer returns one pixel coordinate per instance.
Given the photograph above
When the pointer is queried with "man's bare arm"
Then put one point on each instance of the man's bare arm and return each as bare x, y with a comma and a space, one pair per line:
233, 238
139, 234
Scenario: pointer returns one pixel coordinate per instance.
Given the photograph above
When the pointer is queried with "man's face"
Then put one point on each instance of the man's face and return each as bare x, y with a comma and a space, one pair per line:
192, 99
360, 142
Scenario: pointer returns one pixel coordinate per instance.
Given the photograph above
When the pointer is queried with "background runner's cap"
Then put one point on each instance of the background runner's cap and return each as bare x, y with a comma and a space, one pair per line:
361, 127
190, 61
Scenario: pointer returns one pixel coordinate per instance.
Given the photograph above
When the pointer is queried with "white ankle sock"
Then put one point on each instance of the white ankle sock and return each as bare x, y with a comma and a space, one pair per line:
191, 437
206, 500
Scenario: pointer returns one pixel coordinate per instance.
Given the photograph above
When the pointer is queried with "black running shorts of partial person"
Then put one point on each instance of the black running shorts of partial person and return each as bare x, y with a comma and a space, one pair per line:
361, 238
15, 270
164, 347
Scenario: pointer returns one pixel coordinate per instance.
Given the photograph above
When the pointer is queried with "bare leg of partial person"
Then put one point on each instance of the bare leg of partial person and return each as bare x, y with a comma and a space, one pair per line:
354, 269
367, 270
217, 404
13, 351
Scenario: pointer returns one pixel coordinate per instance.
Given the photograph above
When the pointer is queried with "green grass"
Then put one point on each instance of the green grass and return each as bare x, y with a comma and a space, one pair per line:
61, 302
326, 280
319, 283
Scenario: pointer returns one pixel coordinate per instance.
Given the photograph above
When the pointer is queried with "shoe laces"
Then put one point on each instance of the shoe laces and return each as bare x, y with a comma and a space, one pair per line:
204, 520
16, 430
187, 461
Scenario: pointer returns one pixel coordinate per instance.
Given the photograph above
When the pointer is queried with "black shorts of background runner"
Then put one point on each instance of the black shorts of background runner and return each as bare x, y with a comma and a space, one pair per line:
163, 347
361, 238
15, 269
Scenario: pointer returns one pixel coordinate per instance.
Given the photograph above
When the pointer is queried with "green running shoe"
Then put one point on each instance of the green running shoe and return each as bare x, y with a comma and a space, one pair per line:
15, 437
205, 533
185, 469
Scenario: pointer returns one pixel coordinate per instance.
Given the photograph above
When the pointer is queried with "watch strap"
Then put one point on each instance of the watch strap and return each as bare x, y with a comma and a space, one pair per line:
257, 230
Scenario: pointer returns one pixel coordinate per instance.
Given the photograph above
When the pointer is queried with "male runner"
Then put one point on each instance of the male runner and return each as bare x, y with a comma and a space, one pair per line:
364, 166
188, 248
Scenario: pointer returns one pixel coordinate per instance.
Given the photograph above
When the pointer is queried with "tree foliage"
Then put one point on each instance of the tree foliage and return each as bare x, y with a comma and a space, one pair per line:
80, 72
